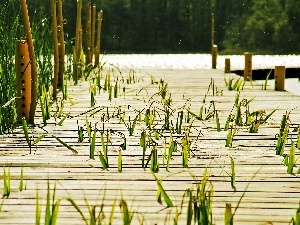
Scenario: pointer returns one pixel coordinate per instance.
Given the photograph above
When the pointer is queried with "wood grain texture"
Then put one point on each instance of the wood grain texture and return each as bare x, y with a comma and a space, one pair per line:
270, 195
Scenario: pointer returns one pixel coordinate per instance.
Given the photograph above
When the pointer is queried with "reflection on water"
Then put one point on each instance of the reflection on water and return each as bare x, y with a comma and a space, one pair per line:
197, 61
203, 61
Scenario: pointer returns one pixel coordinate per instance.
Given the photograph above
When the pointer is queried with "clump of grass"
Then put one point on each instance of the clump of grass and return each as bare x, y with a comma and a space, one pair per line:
52, 209
201, 200
283, 134
233, 84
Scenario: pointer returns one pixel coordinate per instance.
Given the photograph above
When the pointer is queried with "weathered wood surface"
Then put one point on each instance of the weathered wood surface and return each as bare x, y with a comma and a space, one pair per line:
270, 194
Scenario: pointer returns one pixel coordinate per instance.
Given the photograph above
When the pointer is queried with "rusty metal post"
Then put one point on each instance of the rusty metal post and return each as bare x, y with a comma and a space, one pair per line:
279, 77
214, 56
23, 70
248, 66
227, 65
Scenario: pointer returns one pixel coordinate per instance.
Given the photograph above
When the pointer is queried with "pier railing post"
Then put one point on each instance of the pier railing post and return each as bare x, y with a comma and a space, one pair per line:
227, 65
248, 66
214, 56
279, 77
23, 70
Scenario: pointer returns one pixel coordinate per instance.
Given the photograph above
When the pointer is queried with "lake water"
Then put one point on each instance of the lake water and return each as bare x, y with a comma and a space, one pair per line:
203, 61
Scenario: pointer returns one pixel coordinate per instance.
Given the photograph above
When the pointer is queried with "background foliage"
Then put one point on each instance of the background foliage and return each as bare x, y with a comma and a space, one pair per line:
163, 26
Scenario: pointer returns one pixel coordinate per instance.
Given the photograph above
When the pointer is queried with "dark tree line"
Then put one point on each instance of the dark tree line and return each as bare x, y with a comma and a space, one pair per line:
162, 26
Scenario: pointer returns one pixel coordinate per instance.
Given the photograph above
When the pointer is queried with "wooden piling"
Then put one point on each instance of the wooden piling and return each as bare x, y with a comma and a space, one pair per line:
78, 43
212, 31
55, 48
98, 41
227, 66
23, 75
248, 66
32, 60
214, 57
279, 77
61, 50
88, 50
94, 18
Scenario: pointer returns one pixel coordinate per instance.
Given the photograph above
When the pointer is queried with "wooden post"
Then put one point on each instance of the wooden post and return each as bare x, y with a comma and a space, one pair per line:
212, 31
61, 50
94, 17
227, 65
98, 41
88, 34
32, 60
23, 70
60, 77
214, 56
248, 66
279, 77
55, 47
78, 43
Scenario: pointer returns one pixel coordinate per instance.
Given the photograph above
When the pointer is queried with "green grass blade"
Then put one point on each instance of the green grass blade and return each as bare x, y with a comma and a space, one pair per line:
292, 159
65, 144
125, 213
163, 192
269, 115
63, 119
39, 139
6, 182
93, 145
232, 173
37, 209
218, 122
103, 161
112, 213
26, 133
228, 217
120, 161
21, 185
73, 203
47, 215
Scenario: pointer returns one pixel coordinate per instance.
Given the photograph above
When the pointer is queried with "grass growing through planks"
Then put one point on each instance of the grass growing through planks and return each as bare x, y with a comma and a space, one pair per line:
296, 220
22, 186
233, 84
282, 136
200, 201
264, 86
6, 182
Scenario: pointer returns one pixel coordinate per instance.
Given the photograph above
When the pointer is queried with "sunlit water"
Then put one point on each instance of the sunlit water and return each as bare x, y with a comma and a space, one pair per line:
203, 61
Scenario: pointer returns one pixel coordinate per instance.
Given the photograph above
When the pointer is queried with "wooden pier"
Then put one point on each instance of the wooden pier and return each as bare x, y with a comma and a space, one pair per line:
264, 193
